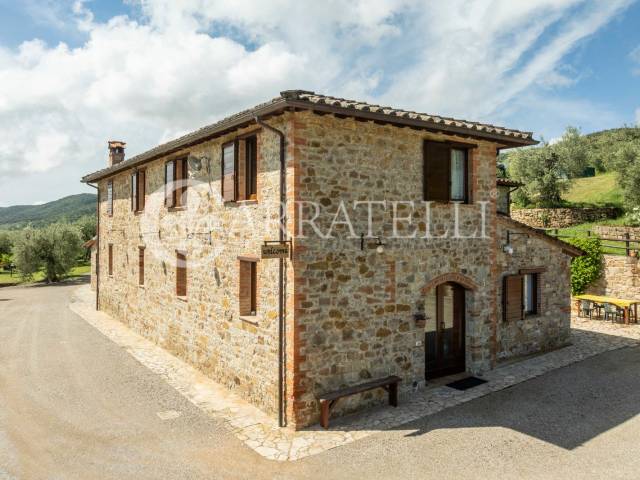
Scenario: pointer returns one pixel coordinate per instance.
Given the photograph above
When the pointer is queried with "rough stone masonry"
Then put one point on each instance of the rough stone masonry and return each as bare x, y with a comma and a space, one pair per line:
350, 307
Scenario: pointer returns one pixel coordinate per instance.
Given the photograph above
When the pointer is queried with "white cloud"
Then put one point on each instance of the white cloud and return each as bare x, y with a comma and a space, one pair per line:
184, 64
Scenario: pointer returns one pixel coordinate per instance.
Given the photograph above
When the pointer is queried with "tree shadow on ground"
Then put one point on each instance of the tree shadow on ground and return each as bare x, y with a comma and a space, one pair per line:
565, 407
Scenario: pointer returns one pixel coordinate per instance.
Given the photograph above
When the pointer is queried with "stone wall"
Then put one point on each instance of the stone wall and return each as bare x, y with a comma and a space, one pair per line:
620, 278
94, 251
614, 231
204, 328
355, 308
549, 328
561, 217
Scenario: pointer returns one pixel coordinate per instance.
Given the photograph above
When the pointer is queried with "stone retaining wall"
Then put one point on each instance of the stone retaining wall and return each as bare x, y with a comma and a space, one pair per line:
562, 217
617, 231
621, 278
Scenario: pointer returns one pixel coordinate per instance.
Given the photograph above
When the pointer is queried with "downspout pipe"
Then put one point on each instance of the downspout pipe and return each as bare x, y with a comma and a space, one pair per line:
282, 236
97, 245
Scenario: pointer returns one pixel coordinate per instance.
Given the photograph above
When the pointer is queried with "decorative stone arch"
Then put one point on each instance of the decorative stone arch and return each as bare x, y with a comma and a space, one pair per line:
458, 278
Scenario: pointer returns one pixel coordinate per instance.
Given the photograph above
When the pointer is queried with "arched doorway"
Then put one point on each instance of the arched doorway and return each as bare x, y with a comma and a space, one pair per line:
444, 330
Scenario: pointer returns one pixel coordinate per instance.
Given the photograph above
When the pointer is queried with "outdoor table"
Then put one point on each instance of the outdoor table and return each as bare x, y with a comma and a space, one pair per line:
618, 302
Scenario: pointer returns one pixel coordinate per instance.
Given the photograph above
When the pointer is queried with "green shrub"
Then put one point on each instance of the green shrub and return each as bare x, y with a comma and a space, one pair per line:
586, 269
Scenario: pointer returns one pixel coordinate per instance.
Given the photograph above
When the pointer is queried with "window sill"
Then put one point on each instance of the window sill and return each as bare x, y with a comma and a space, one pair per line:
252, 319
176, 209
182, 298
138, 212
247, 202
141, 287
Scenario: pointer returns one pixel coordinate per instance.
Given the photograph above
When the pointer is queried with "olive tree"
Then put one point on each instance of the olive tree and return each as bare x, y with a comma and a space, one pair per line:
54, 249
542, 174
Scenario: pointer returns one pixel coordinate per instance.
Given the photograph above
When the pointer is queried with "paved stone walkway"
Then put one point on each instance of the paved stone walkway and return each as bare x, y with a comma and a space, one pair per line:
262, 434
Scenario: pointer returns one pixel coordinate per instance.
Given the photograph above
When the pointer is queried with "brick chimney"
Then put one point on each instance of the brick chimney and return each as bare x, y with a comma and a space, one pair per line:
116, 152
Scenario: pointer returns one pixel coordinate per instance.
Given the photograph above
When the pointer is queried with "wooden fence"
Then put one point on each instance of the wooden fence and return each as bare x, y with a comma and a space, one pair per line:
619, 246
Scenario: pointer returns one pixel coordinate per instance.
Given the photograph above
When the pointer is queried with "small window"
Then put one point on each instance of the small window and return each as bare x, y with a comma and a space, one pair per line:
141, 266
181, 274
530, 293
458, 175
521, 294
229, 172
176, 175
248, 287
110, 264
110, 197
446, 173
240, 169
138, 190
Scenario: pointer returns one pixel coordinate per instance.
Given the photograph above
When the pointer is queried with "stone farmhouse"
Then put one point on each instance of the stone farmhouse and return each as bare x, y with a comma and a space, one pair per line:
430, 278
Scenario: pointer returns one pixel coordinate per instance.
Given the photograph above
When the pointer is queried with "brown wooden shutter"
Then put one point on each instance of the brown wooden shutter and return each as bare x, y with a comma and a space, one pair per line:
242, 170
437, 165
181, 274
251, 146
512, 308
247, 288
110, 259
169, 184
134, 191
228, 172
141, 266
142, 191
538, 290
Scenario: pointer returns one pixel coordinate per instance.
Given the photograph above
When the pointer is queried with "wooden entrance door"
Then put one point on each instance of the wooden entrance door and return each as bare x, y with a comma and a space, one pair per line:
444, 335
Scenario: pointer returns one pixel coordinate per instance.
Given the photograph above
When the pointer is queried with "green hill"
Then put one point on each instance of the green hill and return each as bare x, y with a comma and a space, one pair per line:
69, 208
600, 190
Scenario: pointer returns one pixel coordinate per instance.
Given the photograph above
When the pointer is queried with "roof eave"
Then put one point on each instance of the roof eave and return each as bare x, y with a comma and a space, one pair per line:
505, 140
189, 140
280, 104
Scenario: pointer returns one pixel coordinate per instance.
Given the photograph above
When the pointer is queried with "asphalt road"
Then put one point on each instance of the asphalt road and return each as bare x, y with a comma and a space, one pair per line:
73, 405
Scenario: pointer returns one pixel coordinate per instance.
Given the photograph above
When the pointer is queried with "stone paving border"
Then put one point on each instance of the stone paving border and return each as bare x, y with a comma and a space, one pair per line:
261, 433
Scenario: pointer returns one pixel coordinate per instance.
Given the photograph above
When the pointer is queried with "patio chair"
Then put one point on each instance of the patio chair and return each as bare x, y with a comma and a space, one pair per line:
598, 309
612, 312
586, 310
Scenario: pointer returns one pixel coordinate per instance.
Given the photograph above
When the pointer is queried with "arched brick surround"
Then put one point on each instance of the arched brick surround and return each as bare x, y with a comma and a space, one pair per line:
458, 278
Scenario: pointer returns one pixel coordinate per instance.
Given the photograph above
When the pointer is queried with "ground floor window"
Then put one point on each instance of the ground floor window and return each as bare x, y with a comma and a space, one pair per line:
181, 274
248, 287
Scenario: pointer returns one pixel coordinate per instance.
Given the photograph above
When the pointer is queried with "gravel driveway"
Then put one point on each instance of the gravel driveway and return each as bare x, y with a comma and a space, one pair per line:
74, 405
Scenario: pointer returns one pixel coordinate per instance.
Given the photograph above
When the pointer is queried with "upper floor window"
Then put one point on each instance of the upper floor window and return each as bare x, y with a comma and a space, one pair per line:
138, 192
110, 197
176, 174
446, 172
240, 169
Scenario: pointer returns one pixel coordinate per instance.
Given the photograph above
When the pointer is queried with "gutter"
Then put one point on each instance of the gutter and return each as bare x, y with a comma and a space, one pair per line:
282, 237
97, 245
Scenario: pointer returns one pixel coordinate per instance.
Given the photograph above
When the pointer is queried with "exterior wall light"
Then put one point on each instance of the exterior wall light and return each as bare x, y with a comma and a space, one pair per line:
379, 245
508, 248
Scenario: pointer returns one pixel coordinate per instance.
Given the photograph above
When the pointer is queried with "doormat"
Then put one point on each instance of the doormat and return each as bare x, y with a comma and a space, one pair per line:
466, 383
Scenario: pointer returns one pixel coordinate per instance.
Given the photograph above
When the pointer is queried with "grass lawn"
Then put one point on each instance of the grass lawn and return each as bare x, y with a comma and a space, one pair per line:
582, 229
5, 277
599, 190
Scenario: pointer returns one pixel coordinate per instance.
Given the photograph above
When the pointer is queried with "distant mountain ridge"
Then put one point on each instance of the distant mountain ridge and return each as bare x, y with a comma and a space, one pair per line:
69, 209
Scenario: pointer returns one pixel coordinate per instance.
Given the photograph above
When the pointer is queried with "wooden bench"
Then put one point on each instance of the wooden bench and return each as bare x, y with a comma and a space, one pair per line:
328, 400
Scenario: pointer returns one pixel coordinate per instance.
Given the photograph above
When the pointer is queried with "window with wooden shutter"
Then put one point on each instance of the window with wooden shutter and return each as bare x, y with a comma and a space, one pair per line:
182, 182
134, 192
169, 187
250, 160
140, 265
141, 190
247, 294
229, 172
110, 259
110, 197
445, 172
512, 297
181, 274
